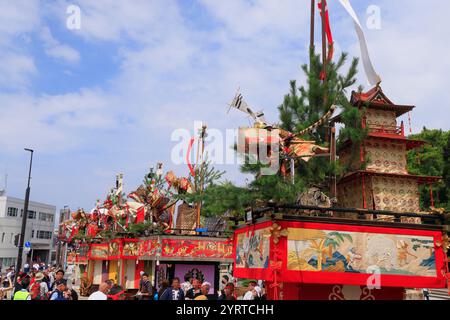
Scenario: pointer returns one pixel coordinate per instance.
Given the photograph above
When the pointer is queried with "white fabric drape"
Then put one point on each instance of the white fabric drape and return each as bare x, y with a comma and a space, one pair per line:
371, 74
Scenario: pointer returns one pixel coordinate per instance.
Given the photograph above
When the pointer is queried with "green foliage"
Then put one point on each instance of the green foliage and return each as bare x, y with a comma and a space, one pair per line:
224, 197
304, 106
205, 175
138, 229
273, 188
432, 160
299, 111
107, 235
276, 189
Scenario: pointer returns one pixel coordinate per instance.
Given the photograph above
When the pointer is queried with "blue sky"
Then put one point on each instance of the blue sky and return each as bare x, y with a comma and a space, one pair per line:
105, 99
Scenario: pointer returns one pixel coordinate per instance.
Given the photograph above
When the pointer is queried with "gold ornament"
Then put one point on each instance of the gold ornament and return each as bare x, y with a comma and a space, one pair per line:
445, 244
437, 210
276, 232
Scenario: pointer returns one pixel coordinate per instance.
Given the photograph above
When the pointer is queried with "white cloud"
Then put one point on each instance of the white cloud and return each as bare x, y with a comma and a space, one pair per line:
18, 19
263, 18
408, 53
172, 72
16, 70
116, 20
55, 49
54, 124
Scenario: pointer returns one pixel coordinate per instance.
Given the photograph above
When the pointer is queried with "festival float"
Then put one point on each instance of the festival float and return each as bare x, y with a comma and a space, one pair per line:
369, 240
150, 230
374, 243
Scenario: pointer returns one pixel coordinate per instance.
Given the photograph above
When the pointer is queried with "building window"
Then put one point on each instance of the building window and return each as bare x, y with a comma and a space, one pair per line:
31, 214
45, 216
32, 233
3, 237
44, 234
8, 262
12, 212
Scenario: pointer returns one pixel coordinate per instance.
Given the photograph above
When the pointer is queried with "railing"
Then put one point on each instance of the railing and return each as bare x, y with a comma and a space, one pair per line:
198, 232
293, 211
387, 130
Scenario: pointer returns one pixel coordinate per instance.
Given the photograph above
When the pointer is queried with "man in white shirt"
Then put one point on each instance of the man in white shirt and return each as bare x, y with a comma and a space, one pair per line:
250, 294
186, 285
101, 293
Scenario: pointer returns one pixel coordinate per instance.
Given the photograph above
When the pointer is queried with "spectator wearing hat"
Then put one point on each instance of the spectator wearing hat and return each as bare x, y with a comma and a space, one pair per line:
206, 286
59, 292
39, 288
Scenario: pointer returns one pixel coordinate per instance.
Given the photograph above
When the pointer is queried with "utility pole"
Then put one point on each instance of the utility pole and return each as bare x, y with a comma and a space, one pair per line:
313, 10
62, 216
24, 217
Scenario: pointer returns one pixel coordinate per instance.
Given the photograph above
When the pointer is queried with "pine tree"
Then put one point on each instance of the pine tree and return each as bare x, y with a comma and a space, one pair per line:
304, 106
298, 111
301, 108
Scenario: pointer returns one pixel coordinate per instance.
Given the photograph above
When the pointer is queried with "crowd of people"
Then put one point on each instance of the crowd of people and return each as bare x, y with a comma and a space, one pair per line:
41, 282
36, 282
194, 289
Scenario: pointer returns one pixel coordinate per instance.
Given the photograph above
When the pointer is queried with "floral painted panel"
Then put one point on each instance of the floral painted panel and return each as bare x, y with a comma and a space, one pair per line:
360, 252
252, 249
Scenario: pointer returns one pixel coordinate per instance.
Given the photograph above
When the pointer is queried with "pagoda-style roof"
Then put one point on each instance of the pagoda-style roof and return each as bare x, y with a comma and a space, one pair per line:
376, 99
419, 179
410, 143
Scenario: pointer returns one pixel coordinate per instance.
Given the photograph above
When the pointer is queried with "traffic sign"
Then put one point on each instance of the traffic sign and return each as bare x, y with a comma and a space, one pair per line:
27, 244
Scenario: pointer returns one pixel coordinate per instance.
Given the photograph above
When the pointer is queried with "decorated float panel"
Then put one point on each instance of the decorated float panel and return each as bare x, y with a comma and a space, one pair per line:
79, 255
292, 254
160, 257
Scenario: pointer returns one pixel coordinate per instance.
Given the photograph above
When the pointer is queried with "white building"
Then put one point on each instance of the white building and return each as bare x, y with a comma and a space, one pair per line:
39, 230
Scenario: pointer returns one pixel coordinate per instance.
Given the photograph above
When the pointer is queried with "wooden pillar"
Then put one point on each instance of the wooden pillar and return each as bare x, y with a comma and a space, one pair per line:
431, 195
313, 9
333, 188
364, 191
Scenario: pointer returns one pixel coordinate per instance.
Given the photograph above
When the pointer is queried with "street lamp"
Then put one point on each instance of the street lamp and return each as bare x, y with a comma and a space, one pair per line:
24, 216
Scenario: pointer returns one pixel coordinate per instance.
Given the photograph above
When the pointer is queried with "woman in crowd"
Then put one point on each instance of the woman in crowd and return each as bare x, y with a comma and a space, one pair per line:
5, 289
